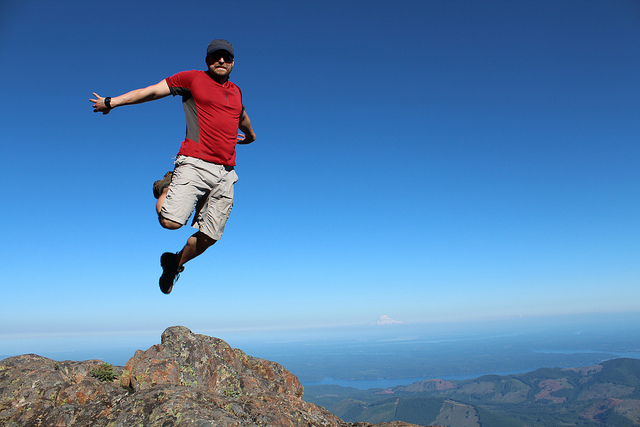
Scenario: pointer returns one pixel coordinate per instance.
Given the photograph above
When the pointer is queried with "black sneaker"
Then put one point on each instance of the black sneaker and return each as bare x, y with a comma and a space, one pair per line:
161, 184
170, 271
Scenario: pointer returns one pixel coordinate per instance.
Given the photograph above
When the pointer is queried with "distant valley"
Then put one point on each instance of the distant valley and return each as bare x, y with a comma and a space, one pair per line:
607, 394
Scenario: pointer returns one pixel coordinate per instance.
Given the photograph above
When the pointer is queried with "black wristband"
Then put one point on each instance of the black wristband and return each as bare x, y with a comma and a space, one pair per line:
107, 102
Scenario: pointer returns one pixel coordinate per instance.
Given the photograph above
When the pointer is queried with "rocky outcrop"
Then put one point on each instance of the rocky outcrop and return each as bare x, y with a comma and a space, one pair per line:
187, 380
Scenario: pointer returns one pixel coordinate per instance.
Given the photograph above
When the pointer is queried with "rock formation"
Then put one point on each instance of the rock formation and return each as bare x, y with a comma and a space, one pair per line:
187, 380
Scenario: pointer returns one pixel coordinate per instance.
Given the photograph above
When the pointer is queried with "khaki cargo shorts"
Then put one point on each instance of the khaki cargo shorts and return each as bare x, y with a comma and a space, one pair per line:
203, 187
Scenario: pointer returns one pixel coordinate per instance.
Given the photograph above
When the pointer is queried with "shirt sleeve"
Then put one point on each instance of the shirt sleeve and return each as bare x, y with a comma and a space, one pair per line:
180, 83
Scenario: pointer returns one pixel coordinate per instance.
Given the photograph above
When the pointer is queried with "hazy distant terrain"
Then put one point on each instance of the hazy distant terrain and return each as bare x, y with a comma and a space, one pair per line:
606, 394
358, 357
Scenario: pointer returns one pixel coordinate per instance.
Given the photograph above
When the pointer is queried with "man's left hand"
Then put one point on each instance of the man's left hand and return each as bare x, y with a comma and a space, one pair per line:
246, 139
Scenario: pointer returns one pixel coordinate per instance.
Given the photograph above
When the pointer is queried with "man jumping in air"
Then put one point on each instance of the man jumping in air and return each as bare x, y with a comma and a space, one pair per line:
204, 175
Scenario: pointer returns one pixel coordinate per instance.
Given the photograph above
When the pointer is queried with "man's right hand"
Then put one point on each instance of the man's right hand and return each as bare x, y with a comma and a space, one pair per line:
99, 105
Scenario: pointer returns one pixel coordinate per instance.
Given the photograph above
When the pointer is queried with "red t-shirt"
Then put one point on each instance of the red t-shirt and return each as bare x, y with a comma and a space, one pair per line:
213, 114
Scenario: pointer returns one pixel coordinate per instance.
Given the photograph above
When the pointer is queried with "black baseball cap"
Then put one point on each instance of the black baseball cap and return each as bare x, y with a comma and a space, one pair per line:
220, 44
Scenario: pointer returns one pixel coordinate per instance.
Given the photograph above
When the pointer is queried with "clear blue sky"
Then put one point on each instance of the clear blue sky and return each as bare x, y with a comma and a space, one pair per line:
427, 160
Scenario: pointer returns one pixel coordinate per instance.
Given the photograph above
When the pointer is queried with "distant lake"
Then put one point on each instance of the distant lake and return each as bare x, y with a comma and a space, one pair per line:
394, 382
630, 355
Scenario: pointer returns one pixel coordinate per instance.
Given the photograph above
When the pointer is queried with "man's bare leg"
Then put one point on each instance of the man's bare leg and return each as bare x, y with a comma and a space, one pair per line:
173, 264
196, 245
161, 199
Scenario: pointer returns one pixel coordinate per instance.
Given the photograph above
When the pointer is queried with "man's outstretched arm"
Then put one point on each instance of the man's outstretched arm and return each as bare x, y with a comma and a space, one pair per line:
245, 127
137, 96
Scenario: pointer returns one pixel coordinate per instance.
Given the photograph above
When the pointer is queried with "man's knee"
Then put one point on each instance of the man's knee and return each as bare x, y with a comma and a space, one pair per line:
168, 224
204, 240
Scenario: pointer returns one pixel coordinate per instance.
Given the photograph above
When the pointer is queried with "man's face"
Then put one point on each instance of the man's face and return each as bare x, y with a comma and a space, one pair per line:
220, 64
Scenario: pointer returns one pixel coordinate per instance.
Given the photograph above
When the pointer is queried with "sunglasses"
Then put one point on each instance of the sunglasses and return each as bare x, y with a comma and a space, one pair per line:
226, 56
